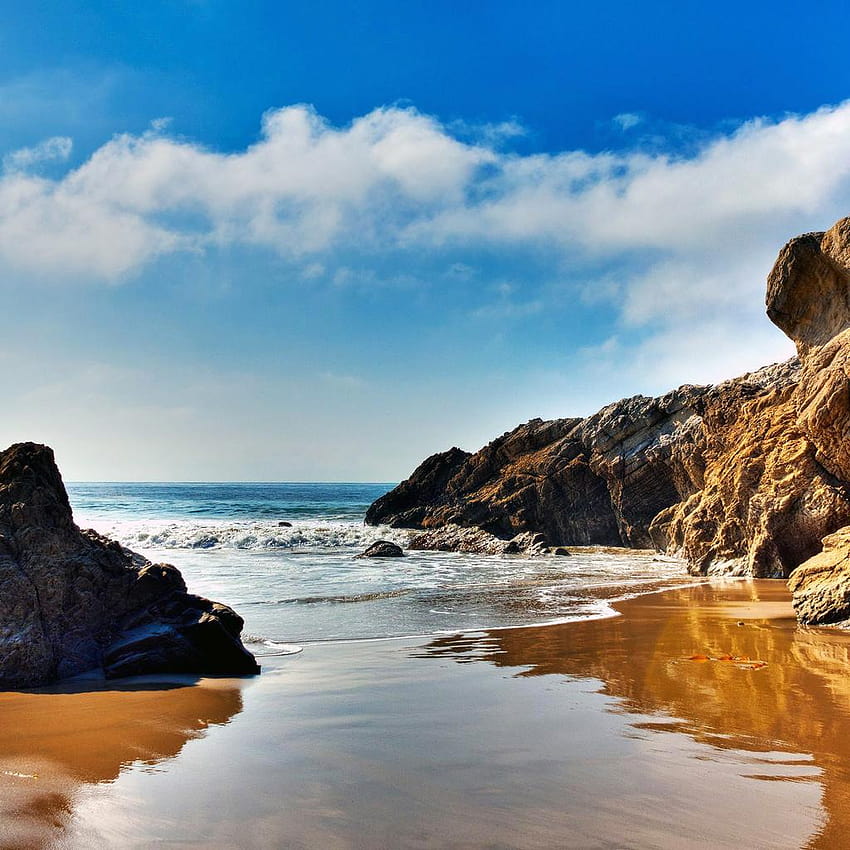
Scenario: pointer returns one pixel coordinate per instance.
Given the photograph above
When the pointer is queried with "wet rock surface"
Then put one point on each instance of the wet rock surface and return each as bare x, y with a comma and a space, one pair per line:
820, 587
383, 549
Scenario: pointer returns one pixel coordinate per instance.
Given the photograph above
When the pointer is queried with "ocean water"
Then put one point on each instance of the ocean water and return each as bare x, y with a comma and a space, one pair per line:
283, 555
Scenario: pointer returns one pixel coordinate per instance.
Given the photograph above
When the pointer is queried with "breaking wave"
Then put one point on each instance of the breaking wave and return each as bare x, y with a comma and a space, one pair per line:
303, 535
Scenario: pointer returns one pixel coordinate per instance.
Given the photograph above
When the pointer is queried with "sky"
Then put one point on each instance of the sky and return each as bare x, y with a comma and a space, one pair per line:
321, 241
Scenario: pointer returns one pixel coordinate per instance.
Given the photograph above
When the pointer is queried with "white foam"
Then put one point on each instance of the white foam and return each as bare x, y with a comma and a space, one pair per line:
304, 535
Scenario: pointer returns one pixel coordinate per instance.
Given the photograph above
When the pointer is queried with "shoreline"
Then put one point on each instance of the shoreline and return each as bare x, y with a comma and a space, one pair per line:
612, 605
586, 734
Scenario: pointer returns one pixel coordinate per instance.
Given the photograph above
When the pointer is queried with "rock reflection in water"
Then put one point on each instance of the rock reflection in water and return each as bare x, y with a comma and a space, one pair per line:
53, 743
792, 716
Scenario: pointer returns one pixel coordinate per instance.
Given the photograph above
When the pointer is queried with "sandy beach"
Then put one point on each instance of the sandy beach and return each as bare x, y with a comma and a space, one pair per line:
699, 717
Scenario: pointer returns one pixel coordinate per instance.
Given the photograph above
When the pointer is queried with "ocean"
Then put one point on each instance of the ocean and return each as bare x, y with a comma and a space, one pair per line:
283, 556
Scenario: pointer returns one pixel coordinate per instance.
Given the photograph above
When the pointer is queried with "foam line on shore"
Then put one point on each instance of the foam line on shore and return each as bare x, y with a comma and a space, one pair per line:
605, 610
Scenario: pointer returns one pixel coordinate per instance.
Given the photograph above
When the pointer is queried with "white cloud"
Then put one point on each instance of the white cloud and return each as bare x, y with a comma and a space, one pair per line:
691, 237
57, 148
627, 120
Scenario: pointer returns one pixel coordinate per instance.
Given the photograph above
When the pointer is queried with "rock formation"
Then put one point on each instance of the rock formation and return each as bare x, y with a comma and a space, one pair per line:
72, 601
575, 481
746, 477
821, 586
642, 472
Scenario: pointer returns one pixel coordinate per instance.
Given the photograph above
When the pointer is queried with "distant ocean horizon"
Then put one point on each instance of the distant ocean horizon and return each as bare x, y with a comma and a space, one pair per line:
282, 554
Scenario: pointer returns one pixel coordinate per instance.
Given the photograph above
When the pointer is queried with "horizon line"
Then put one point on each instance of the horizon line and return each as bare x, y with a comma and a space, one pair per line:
232, 481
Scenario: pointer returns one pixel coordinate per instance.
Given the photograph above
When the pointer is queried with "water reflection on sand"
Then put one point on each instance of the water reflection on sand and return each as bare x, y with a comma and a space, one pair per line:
646, 730
677, 661
54, 742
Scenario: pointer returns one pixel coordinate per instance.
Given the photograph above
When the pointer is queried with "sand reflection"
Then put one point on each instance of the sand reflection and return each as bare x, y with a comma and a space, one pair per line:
54, 743
792, 715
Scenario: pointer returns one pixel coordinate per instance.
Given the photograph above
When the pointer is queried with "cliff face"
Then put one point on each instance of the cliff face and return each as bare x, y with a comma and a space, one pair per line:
744, 477
72, 601
579, 481
630, 475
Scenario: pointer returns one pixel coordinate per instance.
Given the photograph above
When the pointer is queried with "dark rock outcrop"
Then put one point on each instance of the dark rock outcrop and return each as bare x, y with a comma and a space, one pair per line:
382, 549
405, 505
72, 601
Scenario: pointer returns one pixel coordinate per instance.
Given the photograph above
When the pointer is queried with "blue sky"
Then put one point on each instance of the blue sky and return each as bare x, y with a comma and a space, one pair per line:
276, 241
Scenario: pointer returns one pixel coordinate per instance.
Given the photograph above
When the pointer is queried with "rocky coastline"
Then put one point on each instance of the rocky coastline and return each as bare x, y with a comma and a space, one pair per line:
749, 477
72, 601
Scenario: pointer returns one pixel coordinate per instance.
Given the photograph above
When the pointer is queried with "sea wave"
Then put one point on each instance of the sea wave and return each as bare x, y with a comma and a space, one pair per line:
339, 599
264, 647
305, 535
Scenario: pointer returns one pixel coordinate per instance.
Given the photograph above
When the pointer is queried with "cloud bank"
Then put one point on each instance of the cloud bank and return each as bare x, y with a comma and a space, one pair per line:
665, 240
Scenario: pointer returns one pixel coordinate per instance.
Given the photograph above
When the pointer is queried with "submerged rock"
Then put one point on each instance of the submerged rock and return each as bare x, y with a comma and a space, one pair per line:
73, 601
383, 549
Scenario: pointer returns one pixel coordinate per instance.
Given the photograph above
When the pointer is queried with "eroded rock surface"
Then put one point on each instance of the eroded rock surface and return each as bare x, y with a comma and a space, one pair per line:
820, 587
72, 601
599, 480
631, 475
766, 501
746, 477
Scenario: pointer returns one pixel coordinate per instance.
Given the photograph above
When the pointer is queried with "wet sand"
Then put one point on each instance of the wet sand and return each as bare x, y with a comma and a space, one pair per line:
701, 717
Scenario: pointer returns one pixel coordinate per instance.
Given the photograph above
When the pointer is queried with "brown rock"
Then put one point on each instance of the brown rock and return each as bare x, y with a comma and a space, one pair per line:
766, 502
823, 403
599, 480
616, 478
821, 586
744, 477
808, 289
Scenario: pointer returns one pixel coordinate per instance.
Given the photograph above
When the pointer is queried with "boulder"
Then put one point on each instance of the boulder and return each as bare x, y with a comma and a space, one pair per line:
383, 549
73, 601
808, 289
820, 587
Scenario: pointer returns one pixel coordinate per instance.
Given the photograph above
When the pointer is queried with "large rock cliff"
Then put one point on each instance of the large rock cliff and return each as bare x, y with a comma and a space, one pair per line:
746, 477
73, 601
643, 472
